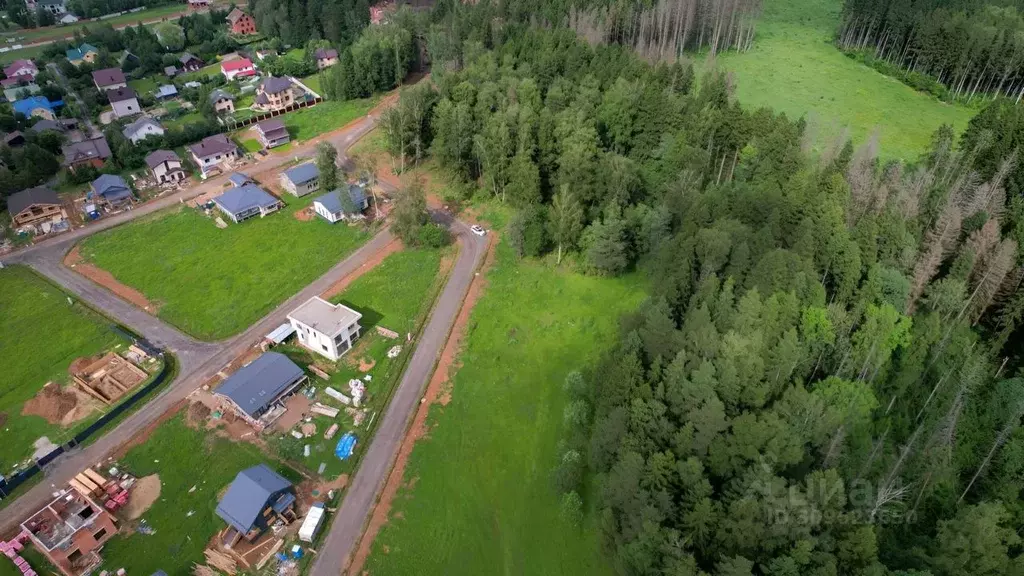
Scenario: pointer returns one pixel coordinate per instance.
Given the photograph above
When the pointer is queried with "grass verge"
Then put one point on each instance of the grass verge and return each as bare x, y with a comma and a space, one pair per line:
326, 116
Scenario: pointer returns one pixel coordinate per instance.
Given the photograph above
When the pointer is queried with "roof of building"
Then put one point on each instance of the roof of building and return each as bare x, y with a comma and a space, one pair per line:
281, 333
139, 124
272, 126
235, 15
86, 150
324, 317
219, 94
69, 18
239, 179
21, 200
108, 77
111, 187
120, 94
44, 125
80, 52
166, 91
302, 173
275, 84
324, 53
170, 71
245, 197
216, 144
249, 495
14, 67
27, 105
332, 200
187, 57
158, 157
259, 383
237, 64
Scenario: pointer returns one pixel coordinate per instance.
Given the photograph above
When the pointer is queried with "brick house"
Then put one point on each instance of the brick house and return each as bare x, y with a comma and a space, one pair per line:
70, 531
276, 94
223, 101
241, 23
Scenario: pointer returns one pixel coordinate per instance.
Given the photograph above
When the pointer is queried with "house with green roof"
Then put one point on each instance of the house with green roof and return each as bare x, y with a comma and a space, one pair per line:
84, 53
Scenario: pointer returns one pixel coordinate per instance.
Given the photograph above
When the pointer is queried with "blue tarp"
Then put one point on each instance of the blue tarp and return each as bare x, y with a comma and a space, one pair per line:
346, 446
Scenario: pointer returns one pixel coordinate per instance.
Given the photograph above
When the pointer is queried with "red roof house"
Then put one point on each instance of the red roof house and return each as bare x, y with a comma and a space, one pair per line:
238, 67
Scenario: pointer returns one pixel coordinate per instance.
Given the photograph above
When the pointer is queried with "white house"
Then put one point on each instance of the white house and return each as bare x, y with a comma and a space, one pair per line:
240, 67
124, 102
211, 152
325, 328
302, 179
142, 128
248, 201
166, 166
330, 208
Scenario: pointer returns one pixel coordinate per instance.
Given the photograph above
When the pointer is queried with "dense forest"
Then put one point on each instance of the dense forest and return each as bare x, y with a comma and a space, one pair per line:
969, 47
296, 22
825, 378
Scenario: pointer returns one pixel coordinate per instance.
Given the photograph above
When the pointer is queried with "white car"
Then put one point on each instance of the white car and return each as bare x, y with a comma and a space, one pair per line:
478, 230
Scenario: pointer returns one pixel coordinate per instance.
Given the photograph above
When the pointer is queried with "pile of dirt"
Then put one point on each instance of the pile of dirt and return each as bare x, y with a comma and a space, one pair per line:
304, 215
198, 414
79, 364
51, 403
76, 261
366, 364
83, 409
144, 493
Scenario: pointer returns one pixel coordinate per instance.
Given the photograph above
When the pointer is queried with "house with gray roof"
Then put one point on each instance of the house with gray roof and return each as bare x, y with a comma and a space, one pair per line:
93, 152
330, 206
141, 129
223, 101
111, 190
302, 179
34, 206
325, 328
248, 201
165, 166
212, 152
272, 133
189, 62
256, 499
255, 391
276, 93
124, 102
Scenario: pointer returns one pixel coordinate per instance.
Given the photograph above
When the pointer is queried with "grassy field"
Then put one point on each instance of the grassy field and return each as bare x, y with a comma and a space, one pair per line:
313, 82
12, 55
144, 85
396, 294
58, 32
213, 283
32, 356
252, 145
324, 117
794, 68
482, 500
183, 521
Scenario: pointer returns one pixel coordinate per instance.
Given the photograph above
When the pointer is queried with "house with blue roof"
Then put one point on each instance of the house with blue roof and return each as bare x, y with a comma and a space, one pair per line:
37, 106
84, 53
255, 392
248, 201
111, 191
256, 499
239, 179
302, 179
330, 206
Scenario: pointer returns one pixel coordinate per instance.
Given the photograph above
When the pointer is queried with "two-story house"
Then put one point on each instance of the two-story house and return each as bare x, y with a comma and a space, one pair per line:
124, 102
325, 328
142, 128
272, 133
189, 62
302, 179
70, 531
325, 57
257, 499
165, 166
109, 79
241, 23
34, 206
223, 101
276, 93
19, 72
212, 152
237, 68
92, 152
84, 54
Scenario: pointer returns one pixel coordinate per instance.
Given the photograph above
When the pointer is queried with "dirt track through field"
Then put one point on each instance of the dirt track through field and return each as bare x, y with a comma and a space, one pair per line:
76, 261
438, 391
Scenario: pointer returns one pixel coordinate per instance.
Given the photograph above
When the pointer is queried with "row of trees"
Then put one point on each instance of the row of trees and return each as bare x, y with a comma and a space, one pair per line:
971, 48
377, 61
824, 378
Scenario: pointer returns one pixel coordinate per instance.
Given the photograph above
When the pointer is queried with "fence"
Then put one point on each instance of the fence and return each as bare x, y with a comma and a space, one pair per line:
11, 484
233, 124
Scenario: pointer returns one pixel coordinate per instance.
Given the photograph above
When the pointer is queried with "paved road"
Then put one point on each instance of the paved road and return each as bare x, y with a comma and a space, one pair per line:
347, 526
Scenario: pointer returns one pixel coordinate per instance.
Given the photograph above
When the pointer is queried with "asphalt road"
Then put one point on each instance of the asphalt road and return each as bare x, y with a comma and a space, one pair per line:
361, 495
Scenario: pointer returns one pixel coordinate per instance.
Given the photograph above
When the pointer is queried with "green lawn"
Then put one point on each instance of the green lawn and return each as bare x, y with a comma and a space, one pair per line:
396, 294
313, 82
12, 55
43, 335
213, 282
183, 521
144, 85
252, 145
56, 32
180, 121
482, 501
326, 116
794, 68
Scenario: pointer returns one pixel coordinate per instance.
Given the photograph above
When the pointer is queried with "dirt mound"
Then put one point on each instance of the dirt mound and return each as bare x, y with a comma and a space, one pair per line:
198, 414
304, 215
145, 492
366, 364
79, 364
51, 403
76, 261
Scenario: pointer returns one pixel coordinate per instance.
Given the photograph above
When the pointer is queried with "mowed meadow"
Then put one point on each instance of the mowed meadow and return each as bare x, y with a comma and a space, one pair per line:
477, 495
794, 67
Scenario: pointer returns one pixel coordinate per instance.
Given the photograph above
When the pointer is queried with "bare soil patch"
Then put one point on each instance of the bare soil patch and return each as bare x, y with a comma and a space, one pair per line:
371, 263
51, 403
297, 405
75, 261
198, 415
145, 492
366, 365
304, 215
436, 393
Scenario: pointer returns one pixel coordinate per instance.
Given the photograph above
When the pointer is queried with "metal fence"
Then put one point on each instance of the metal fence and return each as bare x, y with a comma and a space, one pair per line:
11, 484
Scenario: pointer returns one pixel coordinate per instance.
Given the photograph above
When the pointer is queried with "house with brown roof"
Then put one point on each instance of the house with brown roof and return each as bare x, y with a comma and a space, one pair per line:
276, 94
212, 152
189, 62
124, 102
34, 206
272, 133
325, 57
92, 152
165, 166
109, 79
241, 23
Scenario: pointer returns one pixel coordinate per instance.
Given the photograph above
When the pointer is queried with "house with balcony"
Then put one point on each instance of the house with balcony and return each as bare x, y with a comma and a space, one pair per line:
212, 152
165, 166
34, 206
276, 93
272, 133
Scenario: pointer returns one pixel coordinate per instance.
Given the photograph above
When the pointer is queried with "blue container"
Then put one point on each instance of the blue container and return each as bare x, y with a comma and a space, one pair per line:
346, 446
